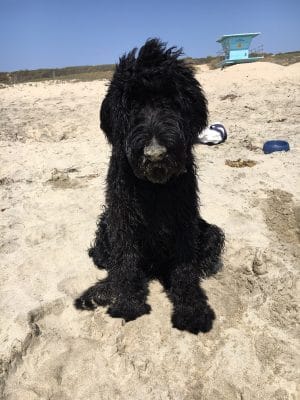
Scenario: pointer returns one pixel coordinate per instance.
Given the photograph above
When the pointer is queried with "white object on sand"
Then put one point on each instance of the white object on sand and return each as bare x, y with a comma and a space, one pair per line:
214, 134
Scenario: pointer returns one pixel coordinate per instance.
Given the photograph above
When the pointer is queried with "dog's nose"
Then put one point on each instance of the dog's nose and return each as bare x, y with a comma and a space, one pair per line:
154, 151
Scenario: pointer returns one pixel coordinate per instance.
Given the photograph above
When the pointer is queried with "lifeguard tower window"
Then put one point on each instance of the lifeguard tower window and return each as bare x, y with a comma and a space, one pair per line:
236, 48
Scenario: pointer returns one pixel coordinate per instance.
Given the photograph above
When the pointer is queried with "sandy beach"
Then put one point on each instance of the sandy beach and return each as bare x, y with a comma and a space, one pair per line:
54, 160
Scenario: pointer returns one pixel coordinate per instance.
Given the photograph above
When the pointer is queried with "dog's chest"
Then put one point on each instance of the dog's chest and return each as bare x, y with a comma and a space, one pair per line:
159, 241
159, 231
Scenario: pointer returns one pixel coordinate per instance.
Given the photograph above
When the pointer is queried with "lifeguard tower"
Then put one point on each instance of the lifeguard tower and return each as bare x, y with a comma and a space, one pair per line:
236, 48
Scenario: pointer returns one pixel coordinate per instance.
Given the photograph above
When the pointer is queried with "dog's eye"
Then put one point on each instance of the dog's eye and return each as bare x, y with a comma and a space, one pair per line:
136, 141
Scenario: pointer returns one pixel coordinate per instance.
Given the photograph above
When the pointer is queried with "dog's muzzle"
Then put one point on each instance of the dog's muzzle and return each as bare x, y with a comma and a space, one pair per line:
154, 162
154, 151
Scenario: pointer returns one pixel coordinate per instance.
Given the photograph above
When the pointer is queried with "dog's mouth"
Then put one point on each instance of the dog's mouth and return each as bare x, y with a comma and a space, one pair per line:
160, 171
157, 173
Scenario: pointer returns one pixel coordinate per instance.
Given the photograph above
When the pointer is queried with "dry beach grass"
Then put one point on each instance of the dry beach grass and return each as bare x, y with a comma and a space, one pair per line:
53, 167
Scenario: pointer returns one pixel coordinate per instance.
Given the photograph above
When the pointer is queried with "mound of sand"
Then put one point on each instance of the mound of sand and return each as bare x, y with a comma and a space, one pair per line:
53, 166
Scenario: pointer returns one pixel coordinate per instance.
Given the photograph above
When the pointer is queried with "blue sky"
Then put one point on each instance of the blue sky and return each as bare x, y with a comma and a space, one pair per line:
57, 33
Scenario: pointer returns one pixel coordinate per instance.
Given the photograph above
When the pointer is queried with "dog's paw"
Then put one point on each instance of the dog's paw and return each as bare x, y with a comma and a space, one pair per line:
194, 320
97, 295
128, 310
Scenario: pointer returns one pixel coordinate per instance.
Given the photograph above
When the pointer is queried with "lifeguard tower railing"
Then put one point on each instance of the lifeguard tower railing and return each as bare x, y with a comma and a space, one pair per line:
236, 48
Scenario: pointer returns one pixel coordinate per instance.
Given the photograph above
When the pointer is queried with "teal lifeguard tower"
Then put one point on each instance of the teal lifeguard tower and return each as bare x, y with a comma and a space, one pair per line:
236, 48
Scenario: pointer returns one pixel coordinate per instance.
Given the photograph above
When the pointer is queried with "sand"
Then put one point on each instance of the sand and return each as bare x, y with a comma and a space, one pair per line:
52, 173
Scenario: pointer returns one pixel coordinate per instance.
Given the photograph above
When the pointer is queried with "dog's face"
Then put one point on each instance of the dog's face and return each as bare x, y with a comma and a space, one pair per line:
155, 144
153, 112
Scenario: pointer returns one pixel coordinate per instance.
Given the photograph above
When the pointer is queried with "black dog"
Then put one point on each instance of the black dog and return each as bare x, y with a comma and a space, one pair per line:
151, 227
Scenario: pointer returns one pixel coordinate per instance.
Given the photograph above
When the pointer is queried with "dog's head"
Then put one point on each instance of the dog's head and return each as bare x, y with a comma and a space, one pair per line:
153, 111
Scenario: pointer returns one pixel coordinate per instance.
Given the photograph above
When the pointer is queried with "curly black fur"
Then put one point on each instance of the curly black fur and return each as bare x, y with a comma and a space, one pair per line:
151, 227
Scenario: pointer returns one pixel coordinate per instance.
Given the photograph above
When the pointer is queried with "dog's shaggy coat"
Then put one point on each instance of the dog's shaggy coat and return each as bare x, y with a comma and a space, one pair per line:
151, 227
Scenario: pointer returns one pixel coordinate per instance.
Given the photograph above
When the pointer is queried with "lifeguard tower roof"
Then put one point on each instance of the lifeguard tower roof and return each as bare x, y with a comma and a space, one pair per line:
238, 35
236, 48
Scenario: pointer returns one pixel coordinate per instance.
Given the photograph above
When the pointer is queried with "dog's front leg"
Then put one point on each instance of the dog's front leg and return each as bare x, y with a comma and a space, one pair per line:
130, 287
125, 289
191, 311
100, 294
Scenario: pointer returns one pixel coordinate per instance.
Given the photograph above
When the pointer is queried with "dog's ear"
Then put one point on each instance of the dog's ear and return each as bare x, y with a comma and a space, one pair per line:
105, 119
193, 103
199, 112
113, 118
113, 111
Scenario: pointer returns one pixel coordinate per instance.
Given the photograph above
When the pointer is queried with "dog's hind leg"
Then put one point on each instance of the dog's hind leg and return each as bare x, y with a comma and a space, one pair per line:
209, 247
101, 248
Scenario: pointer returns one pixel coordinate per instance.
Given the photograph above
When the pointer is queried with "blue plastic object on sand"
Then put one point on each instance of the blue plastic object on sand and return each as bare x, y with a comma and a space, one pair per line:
275, 145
